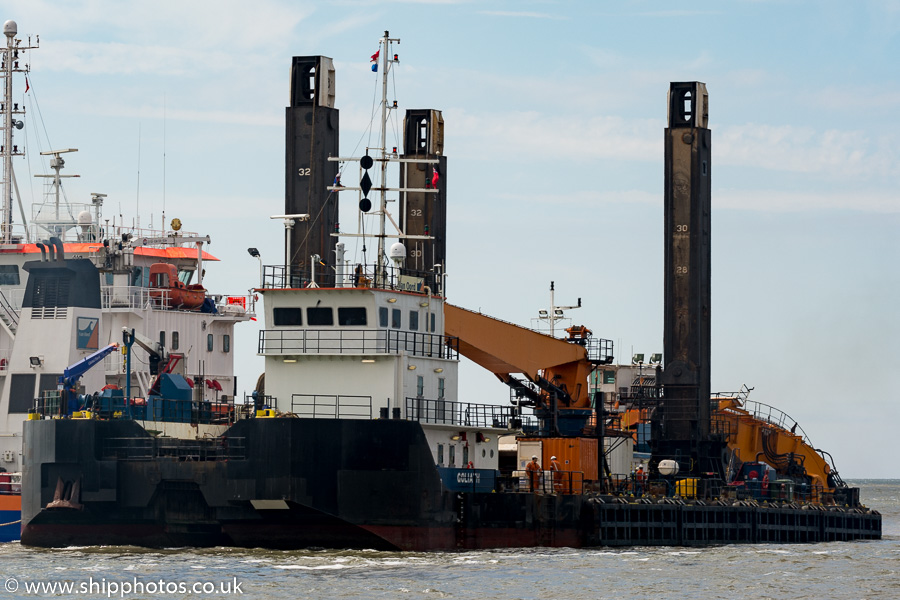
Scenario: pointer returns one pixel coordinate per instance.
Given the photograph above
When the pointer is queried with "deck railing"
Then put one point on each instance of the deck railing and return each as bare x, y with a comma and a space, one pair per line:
547, 482
448, 412
356, 276
137, 297
323, 406
356, 341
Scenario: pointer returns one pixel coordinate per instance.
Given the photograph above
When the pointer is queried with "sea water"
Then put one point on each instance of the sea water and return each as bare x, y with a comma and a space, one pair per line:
845, 570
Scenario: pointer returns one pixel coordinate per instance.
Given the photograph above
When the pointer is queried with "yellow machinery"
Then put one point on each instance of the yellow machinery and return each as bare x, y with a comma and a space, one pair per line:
753, 436
562, 367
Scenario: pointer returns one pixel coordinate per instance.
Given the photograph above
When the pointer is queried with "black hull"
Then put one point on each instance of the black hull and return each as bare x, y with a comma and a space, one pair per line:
300, 483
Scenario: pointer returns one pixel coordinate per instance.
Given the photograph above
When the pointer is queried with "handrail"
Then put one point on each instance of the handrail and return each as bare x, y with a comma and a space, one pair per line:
356, 341
358, 276
450, 412
134, 296
774, 416
9, 311
323, 406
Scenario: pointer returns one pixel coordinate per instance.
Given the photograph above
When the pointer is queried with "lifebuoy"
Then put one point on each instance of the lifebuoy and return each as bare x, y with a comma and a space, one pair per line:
765, 482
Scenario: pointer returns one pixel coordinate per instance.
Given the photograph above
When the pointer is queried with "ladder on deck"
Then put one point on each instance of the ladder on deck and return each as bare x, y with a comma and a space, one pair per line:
9, 318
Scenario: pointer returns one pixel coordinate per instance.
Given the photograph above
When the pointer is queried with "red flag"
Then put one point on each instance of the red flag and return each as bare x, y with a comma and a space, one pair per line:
435, 178
27, 85
375, 56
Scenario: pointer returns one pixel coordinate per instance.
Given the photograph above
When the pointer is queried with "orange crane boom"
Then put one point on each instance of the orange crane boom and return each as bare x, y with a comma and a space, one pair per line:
505, 349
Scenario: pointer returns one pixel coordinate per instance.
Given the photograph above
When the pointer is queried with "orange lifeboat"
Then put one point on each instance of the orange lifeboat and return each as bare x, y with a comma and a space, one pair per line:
170, 291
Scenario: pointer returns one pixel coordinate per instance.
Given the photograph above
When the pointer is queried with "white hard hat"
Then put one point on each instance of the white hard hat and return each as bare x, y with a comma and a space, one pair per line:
534, 457
552, 458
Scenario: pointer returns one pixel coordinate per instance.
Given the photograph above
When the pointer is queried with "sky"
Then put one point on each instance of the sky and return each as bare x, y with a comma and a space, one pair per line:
554, 116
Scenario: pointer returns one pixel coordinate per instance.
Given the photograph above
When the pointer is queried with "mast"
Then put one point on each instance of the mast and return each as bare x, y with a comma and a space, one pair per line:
9, 30
386, 62
57, 163
424, 149
10, 64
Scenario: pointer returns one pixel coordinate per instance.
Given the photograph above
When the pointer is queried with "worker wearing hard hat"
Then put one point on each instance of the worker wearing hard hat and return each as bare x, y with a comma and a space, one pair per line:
557, 474
533, 470
640, 477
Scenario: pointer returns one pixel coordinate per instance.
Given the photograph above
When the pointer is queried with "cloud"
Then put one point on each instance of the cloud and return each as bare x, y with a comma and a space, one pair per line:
316, 37
380, 3
677, 13
838, 154
115, 58
856, 98
199, 24
531, 15
727, 198
576, 138
143, 37
774, 200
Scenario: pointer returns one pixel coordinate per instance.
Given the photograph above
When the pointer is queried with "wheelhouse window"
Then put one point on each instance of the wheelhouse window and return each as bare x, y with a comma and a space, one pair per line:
226, 343
420, 386
319, 315
210, 342
162, 339
351, 315
396, 318
413, 320
287, 316
441, 454
175, 340
440, 387
382, 316
138, 275
9, 274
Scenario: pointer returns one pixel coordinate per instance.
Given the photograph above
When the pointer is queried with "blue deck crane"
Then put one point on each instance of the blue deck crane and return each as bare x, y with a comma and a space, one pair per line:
73, 373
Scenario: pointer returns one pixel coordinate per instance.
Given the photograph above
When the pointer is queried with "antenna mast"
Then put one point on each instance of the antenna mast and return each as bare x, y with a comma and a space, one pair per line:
386, 62
9, 57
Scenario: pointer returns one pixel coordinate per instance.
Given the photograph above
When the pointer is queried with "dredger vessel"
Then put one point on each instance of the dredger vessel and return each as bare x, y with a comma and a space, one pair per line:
356, 437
